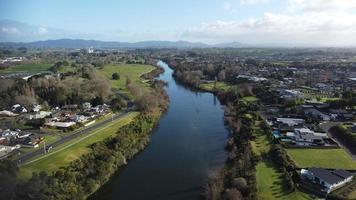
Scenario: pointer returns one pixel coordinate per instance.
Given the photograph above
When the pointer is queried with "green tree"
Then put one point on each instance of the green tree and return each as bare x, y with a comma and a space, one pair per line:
115, 76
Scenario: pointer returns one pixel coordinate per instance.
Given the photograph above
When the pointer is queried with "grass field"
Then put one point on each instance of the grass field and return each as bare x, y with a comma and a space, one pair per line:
133, 71
327, 158
250, 99
28, 67
219, 85
64, 154
269, 179
269, 184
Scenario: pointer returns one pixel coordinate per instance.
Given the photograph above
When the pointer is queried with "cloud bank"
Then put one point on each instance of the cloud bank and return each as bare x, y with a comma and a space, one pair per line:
322, 22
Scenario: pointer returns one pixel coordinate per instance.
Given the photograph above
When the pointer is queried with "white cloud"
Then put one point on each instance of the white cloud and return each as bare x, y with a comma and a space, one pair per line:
312, 28
42, 31
9, 30
321, 5
324, 22
228, 6
252, 2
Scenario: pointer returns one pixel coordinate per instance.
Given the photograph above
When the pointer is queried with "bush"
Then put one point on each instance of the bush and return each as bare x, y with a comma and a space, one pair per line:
115, 76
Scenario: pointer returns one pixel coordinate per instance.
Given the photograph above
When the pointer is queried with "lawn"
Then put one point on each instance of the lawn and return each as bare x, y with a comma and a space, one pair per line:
133, 71
219, 85
27, 67
250, 99
64, 154
269, 179
327, 158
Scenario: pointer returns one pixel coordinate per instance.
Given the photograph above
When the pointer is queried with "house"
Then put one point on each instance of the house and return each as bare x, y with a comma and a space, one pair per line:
317, 114
86, 106
60, 124
38, 115
251, 78
291, 94
328, 179
36, 108
5, 150
17, 108
307, 137
290, 121
31, 141
79, 118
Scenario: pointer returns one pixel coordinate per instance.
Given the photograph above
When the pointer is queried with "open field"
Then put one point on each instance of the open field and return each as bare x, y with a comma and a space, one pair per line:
28, 67
133, 71
327, 158
210, 86
268, 177
64, 154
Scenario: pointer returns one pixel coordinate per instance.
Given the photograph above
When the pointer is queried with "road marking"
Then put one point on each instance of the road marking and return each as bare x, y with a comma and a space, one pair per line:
76, 142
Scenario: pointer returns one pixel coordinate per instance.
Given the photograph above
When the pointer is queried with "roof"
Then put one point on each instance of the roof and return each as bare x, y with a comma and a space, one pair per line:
331, 177
342, 173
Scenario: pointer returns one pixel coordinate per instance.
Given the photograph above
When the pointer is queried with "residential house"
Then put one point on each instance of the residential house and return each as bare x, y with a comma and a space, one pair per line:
314, 113
329, 179
17, 108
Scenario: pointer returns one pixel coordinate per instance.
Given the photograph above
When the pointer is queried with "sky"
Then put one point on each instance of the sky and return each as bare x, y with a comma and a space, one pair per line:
295, 22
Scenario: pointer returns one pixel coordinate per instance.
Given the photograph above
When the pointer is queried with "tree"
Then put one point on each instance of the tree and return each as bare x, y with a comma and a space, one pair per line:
115, 76
8, 176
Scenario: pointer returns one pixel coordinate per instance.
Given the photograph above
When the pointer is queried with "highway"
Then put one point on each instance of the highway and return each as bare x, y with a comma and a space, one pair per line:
83, 130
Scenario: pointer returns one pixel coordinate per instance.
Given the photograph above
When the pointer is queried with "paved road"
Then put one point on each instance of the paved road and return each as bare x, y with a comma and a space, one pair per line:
326, 127
27, 156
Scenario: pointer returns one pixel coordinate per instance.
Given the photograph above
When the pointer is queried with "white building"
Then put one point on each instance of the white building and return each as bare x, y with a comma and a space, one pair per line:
90, 50
329, 179
291, 121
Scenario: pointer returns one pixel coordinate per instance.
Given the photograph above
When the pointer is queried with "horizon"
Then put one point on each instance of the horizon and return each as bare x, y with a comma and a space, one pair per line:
319, 23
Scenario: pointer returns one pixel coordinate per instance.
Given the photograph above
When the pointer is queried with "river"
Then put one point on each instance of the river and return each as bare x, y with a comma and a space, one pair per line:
186, 149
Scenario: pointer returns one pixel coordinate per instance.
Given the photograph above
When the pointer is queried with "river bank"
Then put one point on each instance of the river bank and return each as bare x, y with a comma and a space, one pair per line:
186, 150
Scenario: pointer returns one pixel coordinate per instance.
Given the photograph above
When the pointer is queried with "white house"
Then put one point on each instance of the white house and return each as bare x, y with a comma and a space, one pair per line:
329, 179
17, 108
307, 137
290, 121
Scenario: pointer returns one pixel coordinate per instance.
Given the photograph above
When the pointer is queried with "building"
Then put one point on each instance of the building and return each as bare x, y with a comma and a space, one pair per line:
328, 179
17, 108
307, 137
5, 150
60, 124
90, 50
290, 121
317, 114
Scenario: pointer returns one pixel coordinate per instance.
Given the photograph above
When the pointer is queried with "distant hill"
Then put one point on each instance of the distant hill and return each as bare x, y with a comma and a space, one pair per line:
80, 43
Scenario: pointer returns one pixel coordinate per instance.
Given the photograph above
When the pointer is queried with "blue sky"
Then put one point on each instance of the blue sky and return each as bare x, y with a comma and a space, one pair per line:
211, 21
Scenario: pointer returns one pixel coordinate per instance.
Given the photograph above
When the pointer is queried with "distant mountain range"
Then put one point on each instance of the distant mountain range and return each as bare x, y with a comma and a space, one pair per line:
80, 43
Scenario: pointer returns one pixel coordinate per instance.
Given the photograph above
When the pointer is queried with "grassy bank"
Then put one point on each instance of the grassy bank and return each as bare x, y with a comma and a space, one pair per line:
268, 176
62, 155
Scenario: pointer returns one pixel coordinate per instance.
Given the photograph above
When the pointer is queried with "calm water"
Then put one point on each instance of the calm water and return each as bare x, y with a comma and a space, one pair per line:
185, 150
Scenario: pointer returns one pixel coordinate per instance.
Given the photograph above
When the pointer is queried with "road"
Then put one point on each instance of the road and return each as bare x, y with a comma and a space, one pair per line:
84, 130
326, 127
